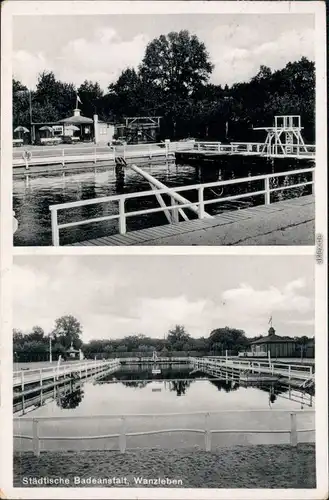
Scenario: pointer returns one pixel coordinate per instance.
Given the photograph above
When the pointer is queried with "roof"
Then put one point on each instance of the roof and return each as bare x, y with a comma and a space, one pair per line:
71, 349
77, 120
269, 339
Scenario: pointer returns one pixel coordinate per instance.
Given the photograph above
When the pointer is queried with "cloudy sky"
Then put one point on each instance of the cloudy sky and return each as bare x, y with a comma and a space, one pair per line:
98, 48
114, 296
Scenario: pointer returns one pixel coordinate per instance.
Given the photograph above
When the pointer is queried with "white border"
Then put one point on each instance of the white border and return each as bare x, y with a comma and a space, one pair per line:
93, 8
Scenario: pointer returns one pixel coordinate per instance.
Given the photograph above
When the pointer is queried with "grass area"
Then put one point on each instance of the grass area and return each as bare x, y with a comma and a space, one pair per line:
262, 466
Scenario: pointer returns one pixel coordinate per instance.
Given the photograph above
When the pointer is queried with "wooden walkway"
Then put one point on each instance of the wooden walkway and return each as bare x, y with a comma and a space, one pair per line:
228, 228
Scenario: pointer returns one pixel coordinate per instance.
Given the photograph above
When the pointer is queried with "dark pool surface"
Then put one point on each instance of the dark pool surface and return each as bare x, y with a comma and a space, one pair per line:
33, 193
135, 390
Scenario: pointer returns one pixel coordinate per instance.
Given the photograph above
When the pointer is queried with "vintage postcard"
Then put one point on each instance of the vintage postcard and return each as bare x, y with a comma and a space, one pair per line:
164, 250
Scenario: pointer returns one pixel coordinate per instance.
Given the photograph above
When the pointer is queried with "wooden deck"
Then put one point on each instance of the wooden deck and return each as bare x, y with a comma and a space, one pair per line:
229, 228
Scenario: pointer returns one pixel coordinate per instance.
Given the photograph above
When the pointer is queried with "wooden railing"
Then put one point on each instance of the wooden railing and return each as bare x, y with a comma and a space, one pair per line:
299, 372
122, 215
257, 148
94, 154
38, 375
292, 431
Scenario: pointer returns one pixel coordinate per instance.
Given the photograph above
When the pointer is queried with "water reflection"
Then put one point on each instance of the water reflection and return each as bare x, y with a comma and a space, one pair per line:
71, 399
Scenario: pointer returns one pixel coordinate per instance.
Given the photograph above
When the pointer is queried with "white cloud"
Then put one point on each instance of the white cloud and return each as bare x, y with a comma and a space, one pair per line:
101, 59
236, 49
27, 66
239, 51
116, 297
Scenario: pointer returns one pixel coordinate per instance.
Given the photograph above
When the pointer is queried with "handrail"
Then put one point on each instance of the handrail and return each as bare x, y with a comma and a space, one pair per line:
200, 203
25, 377
123, 434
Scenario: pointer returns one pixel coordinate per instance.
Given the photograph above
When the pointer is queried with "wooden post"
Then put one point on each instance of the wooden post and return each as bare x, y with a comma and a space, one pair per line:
63, 160
123, 437
174, 215
122, 216
267, 191
36, 440
22, 380
293, 430
95, 155
54, 227
289, 372
207, 435
201, 202
40, 376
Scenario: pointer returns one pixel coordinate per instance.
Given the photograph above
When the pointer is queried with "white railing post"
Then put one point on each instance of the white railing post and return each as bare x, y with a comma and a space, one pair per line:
174, 214
63, 159
122, 216
123, 437
54, 227
124, 151
293, 430
40, 375
36, 441
267, 191
95, 155
22, 380
207, 435
289, 372
201, 202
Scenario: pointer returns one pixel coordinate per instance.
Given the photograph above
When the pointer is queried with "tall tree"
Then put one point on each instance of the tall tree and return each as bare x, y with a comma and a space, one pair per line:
177, 63
90, 94
68, 330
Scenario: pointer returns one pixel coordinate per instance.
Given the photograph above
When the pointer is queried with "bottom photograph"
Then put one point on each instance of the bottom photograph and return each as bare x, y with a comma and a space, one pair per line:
173, 371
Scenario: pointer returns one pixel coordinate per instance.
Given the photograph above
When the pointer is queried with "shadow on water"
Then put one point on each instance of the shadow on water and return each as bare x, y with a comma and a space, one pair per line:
33, 194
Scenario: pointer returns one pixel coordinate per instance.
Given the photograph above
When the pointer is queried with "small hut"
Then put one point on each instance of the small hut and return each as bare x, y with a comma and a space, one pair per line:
72, 353
85, 125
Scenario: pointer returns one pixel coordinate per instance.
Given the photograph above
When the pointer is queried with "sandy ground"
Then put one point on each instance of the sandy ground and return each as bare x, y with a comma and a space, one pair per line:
263, 466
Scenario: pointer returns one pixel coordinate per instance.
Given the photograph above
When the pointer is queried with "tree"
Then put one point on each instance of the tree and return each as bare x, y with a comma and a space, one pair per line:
177, 63
55, 96
68, 330
37, 334
90, 94
230, 339
177, 337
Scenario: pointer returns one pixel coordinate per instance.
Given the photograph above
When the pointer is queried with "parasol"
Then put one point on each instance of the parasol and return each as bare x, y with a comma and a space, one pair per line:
21, 129
45, 127
71, 127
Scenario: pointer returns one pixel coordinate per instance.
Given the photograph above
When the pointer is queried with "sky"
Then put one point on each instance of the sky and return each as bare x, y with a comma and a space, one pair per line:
98, 48
114, 296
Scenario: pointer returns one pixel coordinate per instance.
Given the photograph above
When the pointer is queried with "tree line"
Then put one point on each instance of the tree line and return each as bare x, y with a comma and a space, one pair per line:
172, 81
35, 345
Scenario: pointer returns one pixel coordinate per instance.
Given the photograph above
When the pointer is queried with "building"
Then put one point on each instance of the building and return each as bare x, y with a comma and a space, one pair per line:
72, 353
277, 346
75, 128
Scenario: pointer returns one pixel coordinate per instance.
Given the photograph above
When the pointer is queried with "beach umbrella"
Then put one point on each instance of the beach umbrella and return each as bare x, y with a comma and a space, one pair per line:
45, 127
71, 127
21, 129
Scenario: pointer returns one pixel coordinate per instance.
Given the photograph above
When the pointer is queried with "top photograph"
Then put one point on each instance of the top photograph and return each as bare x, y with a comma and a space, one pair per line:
163, 129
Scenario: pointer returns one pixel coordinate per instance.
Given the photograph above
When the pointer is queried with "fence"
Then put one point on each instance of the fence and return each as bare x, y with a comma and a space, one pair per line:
200, 204
257, 148
38, 375
121, 435
300, 372
94, 154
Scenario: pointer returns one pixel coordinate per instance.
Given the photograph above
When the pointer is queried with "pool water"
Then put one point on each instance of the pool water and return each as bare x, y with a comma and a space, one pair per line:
179, 398
33, 193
